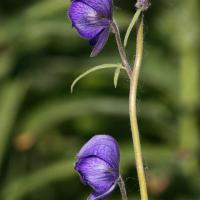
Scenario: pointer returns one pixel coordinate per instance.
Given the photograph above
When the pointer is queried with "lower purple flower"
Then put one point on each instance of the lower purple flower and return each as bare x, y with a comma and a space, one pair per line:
98, 165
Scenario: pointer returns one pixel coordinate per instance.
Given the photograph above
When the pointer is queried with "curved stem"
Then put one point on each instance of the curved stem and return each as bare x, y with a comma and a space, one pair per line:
122, 188
121, 49
133, 112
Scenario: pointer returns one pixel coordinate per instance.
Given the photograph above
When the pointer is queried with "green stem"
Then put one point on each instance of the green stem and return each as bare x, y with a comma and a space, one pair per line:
122, 188
133, 112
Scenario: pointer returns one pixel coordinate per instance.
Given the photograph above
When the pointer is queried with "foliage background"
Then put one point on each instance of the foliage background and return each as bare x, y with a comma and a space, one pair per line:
42, 125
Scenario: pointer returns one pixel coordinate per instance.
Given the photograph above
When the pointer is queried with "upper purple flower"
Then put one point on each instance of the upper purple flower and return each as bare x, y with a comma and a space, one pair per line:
98, 165
92, 19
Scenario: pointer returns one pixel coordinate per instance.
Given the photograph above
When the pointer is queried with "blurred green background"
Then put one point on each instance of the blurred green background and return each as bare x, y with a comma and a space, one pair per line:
43, 126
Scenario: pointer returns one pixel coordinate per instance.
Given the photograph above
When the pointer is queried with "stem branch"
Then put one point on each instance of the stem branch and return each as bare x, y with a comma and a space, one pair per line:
133, 111
121, 49
122, 188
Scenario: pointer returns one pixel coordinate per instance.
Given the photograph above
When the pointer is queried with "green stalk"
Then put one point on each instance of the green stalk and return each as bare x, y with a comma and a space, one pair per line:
133, 112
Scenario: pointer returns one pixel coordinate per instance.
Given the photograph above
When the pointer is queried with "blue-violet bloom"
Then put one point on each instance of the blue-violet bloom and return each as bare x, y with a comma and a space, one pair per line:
92, 20
98, 165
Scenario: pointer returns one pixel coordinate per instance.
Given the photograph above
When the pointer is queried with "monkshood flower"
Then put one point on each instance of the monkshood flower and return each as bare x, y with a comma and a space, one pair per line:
98, 165
92, 20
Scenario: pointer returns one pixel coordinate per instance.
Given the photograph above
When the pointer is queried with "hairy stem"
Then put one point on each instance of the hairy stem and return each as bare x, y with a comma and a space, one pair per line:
122, 188
133, 111
121, 49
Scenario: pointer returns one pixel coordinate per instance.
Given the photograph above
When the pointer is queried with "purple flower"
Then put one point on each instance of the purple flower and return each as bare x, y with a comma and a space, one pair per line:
92, 19
98, 165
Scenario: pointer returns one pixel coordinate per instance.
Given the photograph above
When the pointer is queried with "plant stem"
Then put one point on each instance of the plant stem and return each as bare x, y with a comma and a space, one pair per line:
134, 76
133, 111
122, 188
121, 49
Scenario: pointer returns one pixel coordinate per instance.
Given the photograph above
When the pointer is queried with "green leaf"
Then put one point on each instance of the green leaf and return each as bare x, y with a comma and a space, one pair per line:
131, 25
50, 114
19, 187
104, 66
11, 97
116, 76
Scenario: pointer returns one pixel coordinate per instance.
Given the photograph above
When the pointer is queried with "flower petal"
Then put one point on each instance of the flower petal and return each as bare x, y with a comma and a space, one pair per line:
96, 196
96, 173
103, 7
99, 42
86, 20
104, 147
